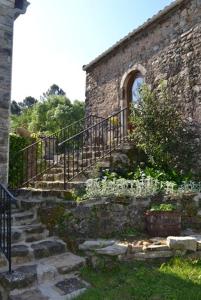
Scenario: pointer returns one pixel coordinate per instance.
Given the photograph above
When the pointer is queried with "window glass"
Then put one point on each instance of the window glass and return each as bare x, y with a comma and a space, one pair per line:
137, 83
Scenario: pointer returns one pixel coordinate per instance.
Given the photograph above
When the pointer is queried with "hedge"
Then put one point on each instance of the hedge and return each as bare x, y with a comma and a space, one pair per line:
16, 163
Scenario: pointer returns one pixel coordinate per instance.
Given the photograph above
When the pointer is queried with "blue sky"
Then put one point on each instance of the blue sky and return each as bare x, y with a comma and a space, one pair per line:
54, 39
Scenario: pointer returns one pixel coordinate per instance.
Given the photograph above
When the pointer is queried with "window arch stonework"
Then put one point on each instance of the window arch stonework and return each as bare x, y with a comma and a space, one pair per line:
131, 81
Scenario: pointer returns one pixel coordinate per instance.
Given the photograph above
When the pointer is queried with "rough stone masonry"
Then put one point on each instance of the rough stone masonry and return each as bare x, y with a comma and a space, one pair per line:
9, 11
166, 47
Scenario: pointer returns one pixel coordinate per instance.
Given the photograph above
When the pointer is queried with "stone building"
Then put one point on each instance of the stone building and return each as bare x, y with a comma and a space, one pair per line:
9, 11
167, 46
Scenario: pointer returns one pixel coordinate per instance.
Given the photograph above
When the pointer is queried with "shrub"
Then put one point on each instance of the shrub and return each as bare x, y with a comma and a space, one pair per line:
136, 188
16, 164
163, 207
160, 129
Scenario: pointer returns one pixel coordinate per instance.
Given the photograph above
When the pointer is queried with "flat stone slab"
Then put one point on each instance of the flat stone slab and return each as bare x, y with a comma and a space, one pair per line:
182, 243
48, 248
29, 295
147, 255
65, 263
95, 244
157, 248
22, 277
113, 250
70, 285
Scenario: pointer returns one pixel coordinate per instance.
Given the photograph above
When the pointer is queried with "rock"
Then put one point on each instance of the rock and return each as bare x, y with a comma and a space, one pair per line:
20, 251
95, 244
147, 255
113, 250
31, 295
199, 245
22, 277
48, 248
157, 248
182, 243
154, 254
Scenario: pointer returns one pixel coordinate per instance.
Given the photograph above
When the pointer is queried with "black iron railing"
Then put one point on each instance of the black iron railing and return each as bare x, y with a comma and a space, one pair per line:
84, 149
44, 154
6, 201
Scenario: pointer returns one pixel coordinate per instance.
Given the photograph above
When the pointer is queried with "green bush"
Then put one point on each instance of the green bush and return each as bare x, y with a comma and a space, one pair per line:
163, 207
162, 132
16, 160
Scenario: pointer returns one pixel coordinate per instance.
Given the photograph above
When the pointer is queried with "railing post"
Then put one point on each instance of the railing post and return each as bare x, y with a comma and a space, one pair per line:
64, 166
6, 199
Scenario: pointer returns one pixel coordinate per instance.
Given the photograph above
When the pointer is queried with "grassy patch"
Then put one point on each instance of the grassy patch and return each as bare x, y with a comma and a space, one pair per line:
178, 279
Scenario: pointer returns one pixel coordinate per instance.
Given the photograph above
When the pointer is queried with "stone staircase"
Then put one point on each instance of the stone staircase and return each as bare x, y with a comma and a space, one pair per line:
53, 179
43, 268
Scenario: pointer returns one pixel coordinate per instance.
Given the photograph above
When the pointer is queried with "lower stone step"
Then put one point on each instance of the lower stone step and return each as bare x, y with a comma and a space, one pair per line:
65, 289
31, 280
58, 185
29, 233
26, 252
24, 218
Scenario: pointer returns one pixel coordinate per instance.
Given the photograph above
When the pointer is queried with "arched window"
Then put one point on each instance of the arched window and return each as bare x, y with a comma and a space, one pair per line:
19, 4
135, 88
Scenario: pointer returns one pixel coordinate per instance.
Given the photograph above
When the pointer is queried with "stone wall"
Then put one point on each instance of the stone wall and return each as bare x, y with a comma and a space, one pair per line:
105, 218
114, 217
167, 47
8, 13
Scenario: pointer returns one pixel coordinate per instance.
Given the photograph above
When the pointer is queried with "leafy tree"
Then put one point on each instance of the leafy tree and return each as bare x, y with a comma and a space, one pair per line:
54, 90
15, 108
49, 115
29, 102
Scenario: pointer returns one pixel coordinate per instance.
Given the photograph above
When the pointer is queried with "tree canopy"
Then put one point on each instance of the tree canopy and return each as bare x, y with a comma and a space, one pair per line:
53, 112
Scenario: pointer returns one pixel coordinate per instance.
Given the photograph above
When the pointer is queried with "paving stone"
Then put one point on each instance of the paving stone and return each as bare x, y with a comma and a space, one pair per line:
70, 285
113, 250
182, 243
48, 248
96, 244
29, 295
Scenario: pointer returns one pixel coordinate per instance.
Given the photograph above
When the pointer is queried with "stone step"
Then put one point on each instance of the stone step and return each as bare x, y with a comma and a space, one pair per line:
68, 287
52, 272
29, 233
26, 252
58, 185
23, 218
60, 177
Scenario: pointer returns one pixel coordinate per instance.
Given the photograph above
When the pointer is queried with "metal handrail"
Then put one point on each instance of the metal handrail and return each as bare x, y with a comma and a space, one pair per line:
43, 154
59, 131
82, 150
6, 200
92, 126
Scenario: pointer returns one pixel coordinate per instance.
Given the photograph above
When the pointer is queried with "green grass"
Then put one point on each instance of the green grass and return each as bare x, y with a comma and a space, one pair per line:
178, 279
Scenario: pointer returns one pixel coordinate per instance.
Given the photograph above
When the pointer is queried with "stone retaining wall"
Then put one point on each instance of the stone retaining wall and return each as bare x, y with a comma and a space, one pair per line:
116, 217
113, 217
